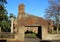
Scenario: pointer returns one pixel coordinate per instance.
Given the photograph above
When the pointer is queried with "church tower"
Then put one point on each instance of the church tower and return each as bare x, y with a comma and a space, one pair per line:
21, 11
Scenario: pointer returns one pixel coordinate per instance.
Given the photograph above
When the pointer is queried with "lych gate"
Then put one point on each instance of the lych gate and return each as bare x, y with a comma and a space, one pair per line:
32, 23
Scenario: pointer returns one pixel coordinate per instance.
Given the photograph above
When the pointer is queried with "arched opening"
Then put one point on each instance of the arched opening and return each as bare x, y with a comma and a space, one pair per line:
33, 31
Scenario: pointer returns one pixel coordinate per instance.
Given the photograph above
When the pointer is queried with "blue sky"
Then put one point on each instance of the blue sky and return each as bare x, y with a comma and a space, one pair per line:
34, 7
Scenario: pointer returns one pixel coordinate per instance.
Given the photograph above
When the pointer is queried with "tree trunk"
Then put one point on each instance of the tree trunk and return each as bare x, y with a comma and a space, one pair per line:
0, 32
52, 29
0, 29
11, 25
57, 29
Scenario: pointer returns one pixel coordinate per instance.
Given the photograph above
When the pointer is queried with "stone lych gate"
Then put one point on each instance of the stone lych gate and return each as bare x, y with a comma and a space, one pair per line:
25, 20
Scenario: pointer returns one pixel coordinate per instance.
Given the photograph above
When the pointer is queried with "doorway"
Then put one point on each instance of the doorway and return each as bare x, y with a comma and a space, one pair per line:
40, 32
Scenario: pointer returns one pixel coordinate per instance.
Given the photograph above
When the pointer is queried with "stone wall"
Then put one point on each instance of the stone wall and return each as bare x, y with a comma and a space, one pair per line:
20, 35
44, 32
53, 37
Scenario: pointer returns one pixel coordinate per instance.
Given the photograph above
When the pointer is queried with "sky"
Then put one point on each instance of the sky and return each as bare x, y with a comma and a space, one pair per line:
33, 7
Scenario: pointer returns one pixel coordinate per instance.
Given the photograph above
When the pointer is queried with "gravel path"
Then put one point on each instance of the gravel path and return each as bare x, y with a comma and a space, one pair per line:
32, 40
38, 40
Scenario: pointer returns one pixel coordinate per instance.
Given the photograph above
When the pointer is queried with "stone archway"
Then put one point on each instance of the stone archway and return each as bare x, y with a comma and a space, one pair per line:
37, 30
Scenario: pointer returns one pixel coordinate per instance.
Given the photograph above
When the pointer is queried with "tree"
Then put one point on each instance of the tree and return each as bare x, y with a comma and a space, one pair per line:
4, 21
53, 12
3, 11
2, 2
12, 15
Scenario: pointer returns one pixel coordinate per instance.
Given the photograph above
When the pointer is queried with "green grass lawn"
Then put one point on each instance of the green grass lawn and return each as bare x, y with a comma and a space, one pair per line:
31, 35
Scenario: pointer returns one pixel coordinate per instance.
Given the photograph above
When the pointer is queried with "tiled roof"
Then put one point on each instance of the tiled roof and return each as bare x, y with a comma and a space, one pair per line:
30, 20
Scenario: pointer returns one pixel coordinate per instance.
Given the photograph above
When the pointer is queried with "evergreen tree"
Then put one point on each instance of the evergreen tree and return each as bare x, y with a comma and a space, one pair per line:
4, 21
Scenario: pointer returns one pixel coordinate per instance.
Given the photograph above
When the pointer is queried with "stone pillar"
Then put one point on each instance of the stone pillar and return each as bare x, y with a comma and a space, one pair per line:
20, 35
11, 24
57, 30
44, 33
